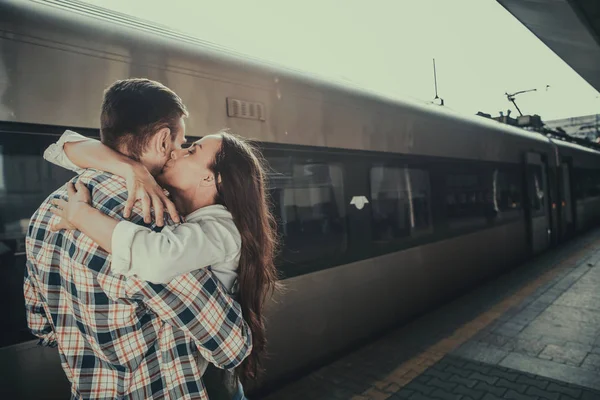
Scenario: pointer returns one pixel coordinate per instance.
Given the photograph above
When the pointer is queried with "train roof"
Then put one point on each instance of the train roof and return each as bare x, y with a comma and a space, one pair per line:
87, 21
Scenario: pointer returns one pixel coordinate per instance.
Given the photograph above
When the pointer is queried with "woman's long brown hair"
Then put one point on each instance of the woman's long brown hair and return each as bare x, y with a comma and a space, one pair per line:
240, 172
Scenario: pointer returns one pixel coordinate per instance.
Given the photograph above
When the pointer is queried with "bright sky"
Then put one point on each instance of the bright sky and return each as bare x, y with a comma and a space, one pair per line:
481, 50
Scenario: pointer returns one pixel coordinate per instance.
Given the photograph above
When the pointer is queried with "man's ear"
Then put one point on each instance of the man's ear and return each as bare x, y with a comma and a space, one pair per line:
161, 143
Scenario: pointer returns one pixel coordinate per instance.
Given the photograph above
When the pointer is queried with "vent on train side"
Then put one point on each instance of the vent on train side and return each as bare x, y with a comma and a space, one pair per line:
245, 109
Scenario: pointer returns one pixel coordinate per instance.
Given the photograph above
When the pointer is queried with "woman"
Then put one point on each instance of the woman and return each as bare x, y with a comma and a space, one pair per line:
219, 185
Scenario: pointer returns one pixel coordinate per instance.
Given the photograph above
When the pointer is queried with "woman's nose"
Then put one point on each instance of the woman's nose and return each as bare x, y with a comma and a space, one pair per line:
175, 154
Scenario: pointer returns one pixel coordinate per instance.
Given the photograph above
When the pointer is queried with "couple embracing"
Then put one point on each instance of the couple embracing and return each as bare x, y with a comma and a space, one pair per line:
146, 306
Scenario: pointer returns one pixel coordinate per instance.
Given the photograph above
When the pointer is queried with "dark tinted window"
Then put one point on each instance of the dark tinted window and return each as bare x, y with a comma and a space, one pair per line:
25, 181
400, 202
537, 195
507, 188
586, 183
468, 196
478, 194
308, 201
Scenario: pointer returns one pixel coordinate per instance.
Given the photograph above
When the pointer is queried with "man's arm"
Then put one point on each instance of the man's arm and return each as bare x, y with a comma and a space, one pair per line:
199, 306
37, 320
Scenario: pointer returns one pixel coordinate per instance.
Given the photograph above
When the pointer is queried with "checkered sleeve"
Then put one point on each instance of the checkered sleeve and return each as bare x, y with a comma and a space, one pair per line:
37, 320
198, 305
195, 303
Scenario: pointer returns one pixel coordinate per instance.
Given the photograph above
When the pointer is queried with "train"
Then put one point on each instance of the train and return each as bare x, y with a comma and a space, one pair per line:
387, 208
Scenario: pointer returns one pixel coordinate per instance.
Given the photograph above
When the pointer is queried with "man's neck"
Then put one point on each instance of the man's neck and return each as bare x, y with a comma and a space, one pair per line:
124, 150
151, 167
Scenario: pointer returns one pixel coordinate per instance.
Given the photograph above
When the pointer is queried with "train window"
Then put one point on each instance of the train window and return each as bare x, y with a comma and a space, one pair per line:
25, 181
420, 197
400, 202
469, 201
308, 202
586, 183
2, 185
537, 195
506, 186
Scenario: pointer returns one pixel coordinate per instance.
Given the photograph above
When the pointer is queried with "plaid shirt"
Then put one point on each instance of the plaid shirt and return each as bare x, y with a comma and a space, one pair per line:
119, 337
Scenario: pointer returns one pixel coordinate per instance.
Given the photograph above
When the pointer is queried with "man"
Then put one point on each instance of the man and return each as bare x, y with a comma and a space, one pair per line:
119, 337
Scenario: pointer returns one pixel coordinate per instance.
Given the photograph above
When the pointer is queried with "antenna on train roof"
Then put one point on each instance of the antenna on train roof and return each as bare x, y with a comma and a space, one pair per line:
511, 97
435, 83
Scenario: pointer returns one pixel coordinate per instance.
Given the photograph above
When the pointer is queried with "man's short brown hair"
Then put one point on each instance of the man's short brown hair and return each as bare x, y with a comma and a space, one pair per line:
133, 110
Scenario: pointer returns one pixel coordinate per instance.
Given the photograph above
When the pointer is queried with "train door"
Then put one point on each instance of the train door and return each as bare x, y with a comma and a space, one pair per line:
567, 205
538, 203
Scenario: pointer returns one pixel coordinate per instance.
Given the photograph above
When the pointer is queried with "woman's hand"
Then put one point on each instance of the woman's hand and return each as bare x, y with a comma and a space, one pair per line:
79, 197
141, 185
77, 213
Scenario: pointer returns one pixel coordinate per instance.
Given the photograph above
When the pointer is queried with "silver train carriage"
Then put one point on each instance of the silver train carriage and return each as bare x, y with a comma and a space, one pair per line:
386, 208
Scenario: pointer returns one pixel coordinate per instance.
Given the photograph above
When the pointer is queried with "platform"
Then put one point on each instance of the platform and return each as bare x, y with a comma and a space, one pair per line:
533, 333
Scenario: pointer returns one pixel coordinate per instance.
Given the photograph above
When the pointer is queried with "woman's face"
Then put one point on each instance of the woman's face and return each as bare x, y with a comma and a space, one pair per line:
188, 169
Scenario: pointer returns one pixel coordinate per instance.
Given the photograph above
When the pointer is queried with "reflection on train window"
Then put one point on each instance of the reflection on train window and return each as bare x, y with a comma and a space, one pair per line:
469, 199
308, 202
507, 191
537, 196
400, 202
2, 187
25, 181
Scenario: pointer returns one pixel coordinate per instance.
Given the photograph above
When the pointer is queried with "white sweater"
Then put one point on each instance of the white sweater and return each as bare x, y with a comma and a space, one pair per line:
209, 237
